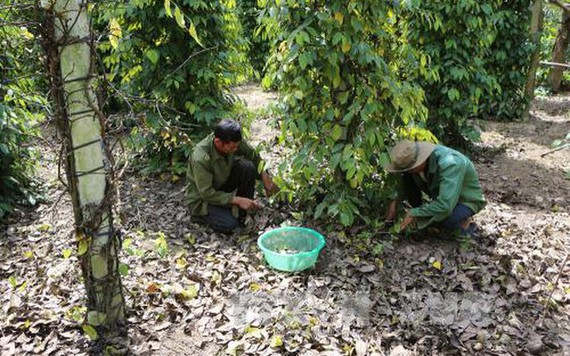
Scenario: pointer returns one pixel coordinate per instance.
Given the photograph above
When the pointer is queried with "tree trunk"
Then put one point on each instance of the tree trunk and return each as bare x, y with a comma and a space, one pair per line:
559, 52
68, 46
535, 32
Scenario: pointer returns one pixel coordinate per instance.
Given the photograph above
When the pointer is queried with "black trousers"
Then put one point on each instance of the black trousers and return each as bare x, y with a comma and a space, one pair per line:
242, 177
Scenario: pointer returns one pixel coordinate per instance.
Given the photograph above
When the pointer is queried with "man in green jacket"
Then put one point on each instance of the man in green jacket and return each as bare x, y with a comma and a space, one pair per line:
222, 171
447, 177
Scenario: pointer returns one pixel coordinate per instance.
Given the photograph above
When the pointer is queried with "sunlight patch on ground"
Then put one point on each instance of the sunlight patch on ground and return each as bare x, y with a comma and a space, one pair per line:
529, 151
255, 98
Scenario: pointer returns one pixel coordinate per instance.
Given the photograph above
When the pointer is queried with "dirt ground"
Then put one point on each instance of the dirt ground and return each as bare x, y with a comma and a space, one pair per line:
505, 292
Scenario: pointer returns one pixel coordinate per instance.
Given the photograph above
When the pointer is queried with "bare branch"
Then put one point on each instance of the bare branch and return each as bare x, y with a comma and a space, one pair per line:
559, 148
553, 64
189, 58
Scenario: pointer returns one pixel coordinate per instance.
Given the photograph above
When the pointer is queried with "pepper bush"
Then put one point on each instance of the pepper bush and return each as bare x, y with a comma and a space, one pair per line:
346, 74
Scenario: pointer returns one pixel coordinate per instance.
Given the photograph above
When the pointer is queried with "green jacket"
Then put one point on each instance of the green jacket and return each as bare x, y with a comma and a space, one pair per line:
451, 179
208, 171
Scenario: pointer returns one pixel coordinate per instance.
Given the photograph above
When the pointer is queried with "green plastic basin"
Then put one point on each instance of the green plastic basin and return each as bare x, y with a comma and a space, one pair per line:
291, 248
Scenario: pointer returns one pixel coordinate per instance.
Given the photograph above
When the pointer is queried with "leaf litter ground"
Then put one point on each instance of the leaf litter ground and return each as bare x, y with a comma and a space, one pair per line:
191, 291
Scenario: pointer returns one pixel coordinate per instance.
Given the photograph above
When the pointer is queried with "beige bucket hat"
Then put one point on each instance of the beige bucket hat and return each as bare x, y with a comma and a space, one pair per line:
407, 155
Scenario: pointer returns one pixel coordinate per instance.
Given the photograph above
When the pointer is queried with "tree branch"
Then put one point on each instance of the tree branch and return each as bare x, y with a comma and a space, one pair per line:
559, 148
553, 64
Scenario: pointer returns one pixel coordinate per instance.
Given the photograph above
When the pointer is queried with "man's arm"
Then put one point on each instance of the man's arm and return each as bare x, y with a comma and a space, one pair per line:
392, 210
270, 187
246, 203
204, 181
251, 154
399, 194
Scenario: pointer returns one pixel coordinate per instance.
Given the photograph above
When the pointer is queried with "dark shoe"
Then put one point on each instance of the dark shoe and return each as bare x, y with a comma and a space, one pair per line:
197, 219
469, 231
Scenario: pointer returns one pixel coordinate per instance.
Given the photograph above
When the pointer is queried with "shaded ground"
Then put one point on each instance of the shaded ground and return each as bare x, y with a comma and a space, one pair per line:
213, 294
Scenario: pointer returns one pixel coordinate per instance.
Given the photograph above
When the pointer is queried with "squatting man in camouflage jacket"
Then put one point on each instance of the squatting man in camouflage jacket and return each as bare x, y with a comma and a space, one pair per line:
222, 172
446, 176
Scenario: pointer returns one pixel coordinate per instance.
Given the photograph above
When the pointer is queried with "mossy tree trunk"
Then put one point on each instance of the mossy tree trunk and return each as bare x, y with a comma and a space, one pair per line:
559, 51
69, 48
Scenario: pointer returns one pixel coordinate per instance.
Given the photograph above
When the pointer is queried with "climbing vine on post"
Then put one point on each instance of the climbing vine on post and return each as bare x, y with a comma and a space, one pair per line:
258, 45
457, 38
343, 69
69, 49
508, 61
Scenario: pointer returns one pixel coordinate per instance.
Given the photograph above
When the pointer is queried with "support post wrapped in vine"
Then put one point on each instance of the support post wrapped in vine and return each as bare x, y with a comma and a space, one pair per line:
69, 51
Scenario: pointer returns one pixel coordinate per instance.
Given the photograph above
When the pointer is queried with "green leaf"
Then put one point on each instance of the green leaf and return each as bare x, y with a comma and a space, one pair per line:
127, 242
23, 287
339, 17
12, 281
83, 246
167, 8
179, 18
337, 132
335, 160
276, 341
337, 38
44, 227
319, 210
453, 94
345, 219
346, 46
153, 55
190, 238
115, 33
302, 37
337, 80
437, 265
191, 292
351, 171
384, 159
66, 253
90, 332
253, 332
378, 249
305, 59
450, 43
194, 34
266, 81
123, 269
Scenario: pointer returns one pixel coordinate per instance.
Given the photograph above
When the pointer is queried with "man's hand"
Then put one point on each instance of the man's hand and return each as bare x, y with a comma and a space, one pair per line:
408, 220
268, 184
246, 203
392, 210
